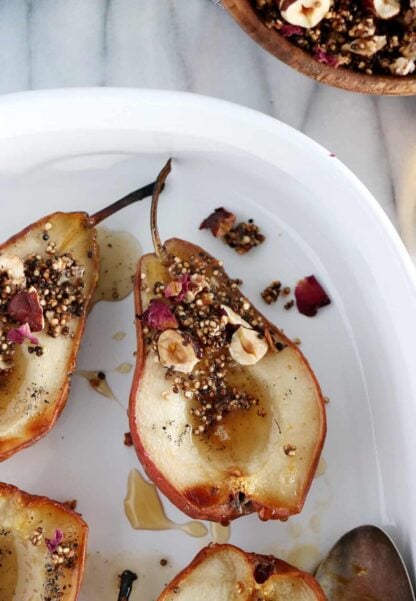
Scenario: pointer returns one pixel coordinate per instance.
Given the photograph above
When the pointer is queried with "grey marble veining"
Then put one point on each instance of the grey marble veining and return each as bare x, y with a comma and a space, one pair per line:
194, 45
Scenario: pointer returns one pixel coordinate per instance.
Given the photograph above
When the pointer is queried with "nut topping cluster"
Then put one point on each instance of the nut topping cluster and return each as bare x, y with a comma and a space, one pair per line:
217, 331
241, 237
39, 293
370, 36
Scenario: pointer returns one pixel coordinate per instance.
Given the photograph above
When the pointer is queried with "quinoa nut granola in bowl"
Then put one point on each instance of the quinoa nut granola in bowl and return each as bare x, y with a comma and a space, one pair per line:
366, 46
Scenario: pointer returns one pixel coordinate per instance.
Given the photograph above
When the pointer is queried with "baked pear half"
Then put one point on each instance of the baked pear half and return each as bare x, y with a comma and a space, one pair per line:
226, 573
225, 412
48, 273
42, 548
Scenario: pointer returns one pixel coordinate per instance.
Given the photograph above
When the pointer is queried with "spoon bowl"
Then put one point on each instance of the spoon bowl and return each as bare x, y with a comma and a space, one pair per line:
365, 565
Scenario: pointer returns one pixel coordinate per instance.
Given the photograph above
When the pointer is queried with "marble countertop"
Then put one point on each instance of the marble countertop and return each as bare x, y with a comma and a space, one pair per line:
194, 45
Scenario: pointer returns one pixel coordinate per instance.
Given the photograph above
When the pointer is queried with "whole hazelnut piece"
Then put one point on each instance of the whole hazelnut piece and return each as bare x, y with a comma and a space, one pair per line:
246, 347
304, 13
384, 9
174, 351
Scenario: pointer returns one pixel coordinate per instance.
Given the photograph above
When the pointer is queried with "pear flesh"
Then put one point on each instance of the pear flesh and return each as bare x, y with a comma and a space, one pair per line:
30, 568
225, 573
48, 273
34, 389
258, 459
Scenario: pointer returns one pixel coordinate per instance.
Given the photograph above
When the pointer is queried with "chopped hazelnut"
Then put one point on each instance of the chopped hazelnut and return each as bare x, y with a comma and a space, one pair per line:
233, 318
402, 66
219, 222
366, 46
13, 266
409, 49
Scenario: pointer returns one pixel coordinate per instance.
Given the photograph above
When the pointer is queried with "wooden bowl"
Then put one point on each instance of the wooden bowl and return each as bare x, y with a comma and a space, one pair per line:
389, 85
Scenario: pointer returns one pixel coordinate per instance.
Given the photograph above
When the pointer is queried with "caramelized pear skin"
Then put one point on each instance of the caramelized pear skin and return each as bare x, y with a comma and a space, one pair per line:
226, 573
43, 547
59, 257
259, 455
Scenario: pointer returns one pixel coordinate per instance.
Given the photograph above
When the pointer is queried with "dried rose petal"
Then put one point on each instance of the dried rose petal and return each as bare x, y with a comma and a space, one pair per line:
219, 222
177, 289
173, 289
24, 307
187, 285
325, 58
18, 335
53, 543
310, 296
288, 30
128, 441
159, 316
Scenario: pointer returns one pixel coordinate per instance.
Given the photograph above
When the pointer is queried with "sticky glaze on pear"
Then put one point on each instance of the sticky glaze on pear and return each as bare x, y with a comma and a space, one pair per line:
48, 273
225, 412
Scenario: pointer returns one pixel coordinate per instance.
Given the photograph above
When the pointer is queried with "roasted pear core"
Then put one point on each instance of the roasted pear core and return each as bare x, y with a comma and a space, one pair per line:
42, 548
243, 431
35, 381
225, 573
239, 442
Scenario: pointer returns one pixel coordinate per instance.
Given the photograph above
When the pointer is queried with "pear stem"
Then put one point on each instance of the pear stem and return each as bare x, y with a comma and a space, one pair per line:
160, 183
132, 197
126, 585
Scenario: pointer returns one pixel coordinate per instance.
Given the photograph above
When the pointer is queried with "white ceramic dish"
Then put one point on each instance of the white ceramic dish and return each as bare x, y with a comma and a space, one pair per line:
81, 149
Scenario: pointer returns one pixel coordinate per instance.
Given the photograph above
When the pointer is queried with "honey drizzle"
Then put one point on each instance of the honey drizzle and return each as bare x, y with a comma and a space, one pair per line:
220, 534
97, 382
119, 254
119, 336
124, 368
144, 510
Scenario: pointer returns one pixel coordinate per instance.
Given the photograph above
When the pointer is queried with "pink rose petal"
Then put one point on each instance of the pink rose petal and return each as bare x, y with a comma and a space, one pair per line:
325, 58
24, 307
18, 335
310, 296
173, 289
177, 289
159, 316
288, 30
53, 543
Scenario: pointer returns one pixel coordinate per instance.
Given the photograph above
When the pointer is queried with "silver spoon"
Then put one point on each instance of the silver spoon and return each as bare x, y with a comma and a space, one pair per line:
365, 565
